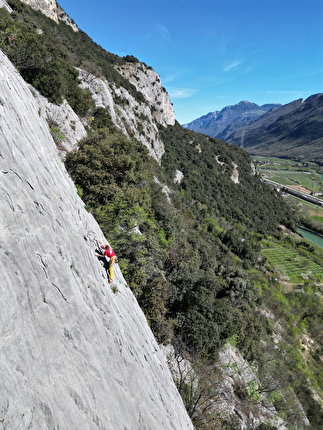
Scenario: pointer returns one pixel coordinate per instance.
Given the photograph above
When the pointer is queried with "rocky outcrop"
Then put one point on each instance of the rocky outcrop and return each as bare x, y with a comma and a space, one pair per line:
132, 117
235, 174
74, 352
63, 17
240, 394
51, 9
61, 120
4, 4
178, 177
237, 380
47, 7
147, 81
236, 395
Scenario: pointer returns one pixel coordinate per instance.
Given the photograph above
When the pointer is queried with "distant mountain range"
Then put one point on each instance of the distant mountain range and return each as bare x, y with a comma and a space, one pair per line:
215, 123
294, 130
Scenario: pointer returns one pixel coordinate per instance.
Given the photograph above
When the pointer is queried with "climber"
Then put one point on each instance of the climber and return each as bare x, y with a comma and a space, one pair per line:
112, 258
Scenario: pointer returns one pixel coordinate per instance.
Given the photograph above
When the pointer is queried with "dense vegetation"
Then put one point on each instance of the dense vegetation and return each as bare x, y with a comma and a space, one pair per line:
203, 163
194, 260
195, 263
192, 252
298, 305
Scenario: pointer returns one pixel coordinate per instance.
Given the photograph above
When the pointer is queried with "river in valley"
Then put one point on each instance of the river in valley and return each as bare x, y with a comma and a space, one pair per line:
311, 235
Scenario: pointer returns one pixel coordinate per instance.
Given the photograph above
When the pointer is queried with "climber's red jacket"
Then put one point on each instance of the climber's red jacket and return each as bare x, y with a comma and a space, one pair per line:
108, 251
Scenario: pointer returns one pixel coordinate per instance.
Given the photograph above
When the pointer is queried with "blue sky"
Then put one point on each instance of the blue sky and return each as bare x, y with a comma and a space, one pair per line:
211, 54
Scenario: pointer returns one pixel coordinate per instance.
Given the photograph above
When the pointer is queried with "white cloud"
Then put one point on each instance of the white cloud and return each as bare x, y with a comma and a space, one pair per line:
181, 93
249, 68
232, 65
163, 31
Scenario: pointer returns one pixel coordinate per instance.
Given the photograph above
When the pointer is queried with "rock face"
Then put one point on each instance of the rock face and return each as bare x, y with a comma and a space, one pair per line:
78, 352
147, 81
47, 7
236, 377
70, 126
62, 16
4, 4
126, 115
129, 115
51, 9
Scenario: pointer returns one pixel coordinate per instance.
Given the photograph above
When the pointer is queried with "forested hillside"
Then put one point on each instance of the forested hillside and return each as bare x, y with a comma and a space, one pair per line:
189, 233
192, 254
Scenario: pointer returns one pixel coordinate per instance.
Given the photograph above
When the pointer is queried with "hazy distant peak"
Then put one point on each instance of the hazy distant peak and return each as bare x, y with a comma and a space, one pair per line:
214, 123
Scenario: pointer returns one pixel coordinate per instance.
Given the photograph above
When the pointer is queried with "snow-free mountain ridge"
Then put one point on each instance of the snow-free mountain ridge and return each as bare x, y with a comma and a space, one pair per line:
293, 130
214, 123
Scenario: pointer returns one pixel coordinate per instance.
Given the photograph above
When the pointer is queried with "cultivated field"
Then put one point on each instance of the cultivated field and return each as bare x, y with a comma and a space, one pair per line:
291, 266
306, 178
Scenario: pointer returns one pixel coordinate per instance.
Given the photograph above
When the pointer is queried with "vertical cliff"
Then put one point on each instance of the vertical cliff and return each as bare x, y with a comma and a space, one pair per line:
133, 117
78, 352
